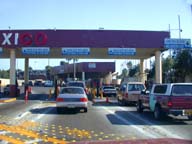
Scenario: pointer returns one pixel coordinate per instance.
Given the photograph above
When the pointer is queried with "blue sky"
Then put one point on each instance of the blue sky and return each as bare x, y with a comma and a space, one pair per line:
94, 14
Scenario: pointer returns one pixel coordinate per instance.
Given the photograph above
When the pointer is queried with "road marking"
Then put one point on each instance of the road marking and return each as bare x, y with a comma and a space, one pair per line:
164, 131
131, 124
33, 141
22, 115
10, 140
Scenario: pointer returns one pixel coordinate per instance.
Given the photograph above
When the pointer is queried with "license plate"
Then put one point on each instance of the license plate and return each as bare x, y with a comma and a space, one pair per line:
70, 106
188, 112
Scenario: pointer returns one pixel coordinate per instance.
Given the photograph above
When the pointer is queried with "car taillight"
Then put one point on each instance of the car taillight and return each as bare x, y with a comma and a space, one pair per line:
59, 99
83, 100
169, 104
126, 95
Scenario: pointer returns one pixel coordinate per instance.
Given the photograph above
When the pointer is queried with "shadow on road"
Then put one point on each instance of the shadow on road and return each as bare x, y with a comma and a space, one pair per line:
53, 110
146, 118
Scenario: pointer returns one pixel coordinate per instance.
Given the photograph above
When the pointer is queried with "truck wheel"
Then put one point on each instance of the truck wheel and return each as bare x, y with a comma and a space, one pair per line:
190, 117
139, 107
157, 112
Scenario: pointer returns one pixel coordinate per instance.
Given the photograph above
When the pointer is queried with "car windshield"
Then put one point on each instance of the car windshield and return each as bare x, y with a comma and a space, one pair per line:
78, 84
136, 87
182, 90
72, 91
108, 87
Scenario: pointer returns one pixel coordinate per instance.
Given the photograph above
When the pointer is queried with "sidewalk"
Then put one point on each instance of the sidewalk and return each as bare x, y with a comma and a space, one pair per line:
6, 100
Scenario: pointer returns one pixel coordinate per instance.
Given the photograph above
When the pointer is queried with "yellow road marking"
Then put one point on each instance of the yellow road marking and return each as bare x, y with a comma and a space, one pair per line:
7, 100
19, 130
11, 140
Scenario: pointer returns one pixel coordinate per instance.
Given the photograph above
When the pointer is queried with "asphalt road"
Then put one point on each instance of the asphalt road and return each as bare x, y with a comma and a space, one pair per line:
37, 121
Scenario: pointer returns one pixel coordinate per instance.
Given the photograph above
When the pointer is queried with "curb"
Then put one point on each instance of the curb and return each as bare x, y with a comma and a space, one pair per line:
6, 100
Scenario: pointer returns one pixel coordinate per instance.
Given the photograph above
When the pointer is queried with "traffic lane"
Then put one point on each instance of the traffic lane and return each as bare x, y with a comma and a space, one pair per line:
109, 120
100, 123
16, 108
176, 127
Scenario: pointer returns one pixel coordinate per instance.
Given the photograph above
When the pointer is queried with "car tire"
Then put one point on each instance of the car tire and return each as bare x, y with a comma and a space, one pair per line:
139, 107
59, 110
157, 113
190, 117
85, 110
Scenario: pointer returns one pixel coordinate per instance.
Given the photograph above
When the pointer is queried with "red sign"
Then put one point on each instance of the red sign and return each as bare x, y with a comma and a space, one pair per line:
24, 39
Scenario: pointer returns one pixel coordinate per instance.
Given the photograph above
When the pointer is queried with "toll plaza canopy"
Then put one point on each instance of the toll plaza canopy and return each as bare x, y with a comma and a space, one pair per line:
100, 42
84, 44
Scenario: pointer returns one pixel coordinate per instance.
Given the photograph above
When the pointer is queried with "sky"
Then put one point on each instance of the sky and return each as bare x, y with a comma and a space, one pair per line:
94, 14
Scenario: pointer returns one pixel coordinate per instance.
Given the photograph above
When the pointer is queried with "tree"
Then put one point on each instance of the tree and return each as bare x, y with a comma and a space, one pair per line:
135, 69
183, 65
48, 72
167, 68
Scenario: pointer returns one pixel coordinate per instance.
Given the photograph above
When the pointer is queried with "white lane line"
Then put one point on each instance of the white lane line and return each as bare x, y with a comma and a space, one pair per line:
162, 130
131, 124
3, 132
22, 115
43, 114
33, 141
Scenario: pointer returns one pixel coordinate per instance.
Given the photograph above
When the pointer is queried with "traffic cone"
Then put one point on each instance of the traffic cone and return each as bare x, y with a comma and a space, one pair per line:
107, 99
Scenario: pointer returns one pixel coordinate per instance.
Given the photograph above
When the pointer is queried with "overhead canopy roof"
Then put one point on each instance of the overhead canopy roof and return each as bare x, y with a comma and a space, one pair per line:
145, 42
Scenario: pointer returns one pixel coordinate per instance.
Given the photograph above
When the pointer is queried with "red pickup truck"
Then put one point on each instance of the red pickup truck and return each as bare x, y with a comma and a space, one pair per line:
165, 99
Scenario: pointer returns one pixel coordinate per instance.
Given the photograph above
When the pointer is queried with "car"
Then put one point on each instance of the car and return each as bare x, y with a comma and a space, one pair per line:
129, 92
48, 83
72, 98
78, 84
6, 90
167, 99
109, 91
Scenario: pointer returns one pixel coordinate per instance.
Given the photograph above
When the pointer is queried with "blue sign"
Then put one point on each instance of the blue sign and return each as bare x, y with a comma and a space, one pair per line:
35, 50
75, 51
122, 51
177, 43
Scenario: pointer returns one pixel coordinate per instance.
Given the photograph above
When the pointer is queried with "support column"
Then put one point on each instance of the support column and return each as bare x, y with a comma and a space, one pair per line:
83, 76
142, 70
26, 74
12, 73
158, 67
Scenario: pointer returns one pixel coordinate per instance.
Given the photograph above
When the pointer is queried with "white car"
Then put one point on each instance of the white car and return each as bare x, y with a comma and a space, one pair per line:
72, 97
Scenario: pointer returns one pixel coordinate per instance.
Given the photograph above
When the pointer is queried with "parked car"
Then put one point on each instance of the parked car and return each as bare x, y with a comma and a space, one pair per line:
6, 90
109, 91
72, 97
165, 99
78, 84
129, 92
48, 83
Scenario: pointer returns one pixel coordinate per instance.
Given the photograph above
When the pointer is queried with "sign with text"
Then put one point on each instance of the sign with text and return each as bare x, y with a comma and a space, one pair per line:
35, 50
177, 43
122, 51
75, 51
92, 65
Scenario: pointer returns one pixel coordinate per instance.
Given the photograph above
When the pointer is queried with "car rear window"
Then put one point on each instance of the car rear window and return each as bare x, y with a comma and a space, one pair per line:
72, 91
184, 90
136, 87
108, 87
160, 89
77, 84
